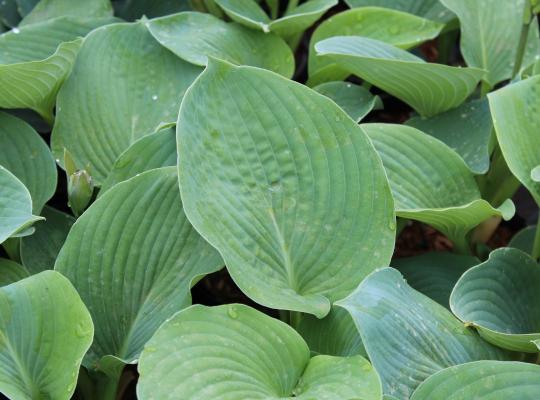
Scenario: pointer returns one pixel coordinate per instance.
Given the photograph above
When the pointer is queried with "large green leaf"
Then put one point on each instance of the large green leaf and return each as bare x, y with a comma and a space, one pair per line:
466, 129
524, 239
295, 21
28, 157
431, 183
490, 30
149, 152
429, 88
133, 257
500, 298
124, 76
516, 116
394, 27
131, 10
483, 380
35, 60
408, 336
195, 36
434, 274
285, 185
11, 272
45, 329
49, 9
431, 9
39, 251
334, 335
237, 352
15, 206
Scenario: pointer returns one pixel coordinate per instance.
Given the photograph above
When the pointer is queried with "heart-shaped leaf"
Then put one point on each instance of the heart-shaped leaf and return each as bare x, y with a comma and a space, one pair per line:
394, 27
195, 36
489, 33
434, 274
133, 257
285, 185
39, 250
237, 352
466, 129
49, 9
45, 329
26, 155
429, 88
408, 336
431, 183
482, 380
499, 298
15, 206
149, 152
11, 272
430, 9
515, 109
127, 78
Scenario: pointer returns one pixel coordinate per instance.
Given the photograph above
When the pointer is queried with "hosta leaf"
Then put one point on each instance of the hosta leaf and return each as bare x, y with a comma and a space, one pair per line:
237, 352
334, 335
429, 88
355, 100
39, 251
15, 206
45, 329
408, 336
11, 272
466, 129
9, 15
431, 183
249, 13
25, 6
149, 152
49, 9
430, 9
133, 257
524, 239
499, 298
434, 274
130, 81
35, 60
194, 36
131, 10
285, 185
489, 32
482, 380
516, 116
394, 27
28, 157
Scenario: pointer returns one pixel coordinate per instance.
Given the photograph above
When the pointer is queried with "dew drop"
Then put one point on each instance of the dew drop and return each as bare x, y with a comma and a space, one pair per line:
154, 97
16, 30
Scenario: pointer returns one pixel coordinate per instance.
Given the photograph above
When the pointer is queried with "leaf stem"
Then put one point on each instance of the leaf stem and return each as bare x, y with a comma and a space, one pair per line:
528, 18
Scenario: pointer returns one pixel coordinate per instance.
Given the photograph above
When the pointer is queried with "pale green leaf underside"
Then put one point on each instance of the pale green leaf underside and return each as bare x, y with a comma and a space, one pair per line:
152, 151
355, 100
39, 250
408, 336
500, 298
516, 116
430, 182
490, 31
466, 129
483, 380
430, 9
390, 26
26, 155
49, 9
250, 14
15, 206
195, 36
45, 329
285, 185
11, 272
123, 75
429, 88
237, 352
133, 256
434, 274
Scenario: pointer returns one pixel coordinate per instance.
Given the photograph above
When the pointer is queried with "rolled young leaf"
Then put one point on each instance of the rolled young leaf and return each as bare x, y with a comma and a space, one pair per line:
237, 352
499, 298
45, 329
285, 185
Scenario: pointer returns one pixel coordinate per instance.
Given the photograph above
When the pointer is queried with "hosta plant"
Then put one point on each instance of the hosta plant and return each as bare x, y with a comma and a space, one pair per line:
269, 199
